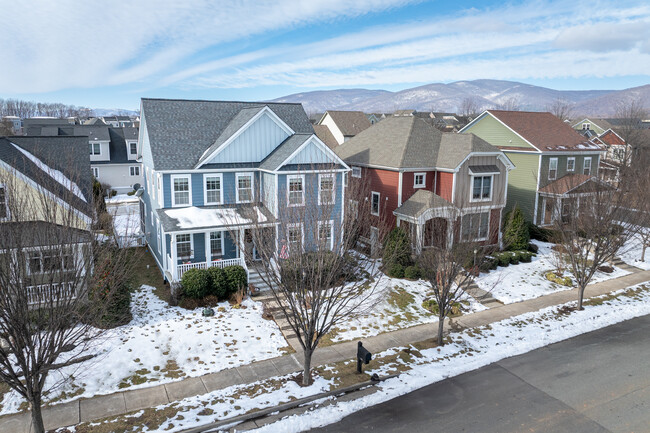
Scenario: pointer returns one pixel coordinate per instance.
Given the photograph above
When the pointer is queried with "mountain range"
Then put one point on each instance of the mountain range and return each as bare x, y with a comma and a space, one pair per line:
483, 93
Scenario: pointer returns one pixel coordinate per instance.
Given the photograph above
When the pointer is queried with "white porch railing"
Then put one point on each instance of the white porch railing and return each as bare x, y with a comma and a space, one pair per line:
50, 292
181, 269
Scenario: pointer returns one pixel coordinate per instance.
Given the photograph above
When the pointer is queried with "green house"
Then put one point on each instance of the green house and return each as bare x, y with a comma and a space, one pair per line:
554, 163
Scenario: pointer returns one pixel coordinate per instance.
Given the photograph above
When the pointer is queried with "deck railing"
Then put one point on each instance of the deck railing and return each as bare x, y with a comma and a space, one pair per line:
210, 264
50, 292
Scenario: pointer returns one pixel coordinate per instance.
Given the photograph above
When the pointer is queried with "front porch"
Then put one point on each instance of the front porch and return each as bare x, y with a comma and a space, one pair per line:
562, 199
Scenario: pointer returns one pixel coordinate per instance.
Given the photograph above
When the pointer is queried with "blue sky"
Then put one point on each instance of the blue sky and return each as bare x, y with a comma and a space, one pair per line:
110, 54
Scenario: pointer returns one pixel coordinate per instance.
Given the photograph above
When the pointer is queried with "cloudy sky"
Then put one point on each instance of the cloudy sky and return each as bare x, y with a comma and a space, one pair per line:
109, 54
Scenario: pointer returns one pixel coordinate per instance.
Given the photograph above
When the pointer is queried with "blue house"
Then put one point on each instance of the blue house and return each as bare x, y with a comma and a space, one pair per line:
214, 170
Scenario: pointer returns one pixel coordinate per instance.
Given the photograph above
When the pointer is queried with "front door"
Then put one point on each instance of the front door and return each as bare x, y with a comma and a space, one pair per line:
249, 245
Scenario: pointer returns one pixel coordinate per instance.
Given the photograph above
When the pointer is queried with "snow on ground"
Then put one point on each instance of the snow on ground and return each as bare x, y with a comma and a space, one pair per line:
469, 350
121, 198
631, 253
163, 344
474, 349
517, 283
395, 304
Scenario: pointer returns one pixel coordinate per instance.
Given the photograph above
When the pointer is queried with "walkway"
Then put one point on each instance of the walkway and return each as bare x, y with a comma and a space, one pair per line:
90, 409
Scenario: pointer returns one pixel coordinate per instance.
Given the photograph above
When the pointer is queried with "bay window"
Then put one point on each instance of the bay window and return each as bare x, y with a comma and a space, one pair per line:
475, 226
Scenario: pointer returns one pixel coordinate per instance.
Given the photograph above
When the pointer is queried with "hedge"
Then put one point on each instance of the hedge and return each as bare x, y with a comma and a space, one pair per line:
196, 283
214, 281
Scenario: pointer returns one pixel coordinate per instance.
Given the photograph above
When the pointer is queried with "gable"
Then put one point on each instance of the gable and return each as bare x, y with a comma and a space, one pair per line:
254, 143
312, 153
496, 133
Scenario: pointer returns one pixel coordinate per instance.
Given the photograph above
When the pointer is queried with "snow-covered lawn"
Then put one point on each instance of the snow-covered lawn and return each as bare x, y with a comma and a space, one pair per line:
395, 304
468, 350
163, 344
517, 283
631, 253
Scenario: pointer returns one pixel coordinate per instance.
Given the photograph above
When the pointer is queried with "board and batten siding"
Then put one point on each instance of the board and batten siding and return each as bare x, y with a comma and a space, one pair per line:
496, 133
268, 192
522, 182
464, 183
254, 144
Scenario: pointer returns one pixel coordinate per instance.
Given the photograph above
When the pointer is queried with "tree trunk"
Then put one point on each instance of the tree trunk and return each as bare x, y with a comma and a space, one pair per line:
643, 252
306, 372
37, 416
581, 295
441, 327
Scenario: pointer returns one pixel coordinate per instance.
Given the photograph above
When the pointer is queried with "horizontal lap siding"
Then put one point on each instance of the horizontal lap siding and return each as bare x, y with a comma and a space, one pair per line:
445, 185
386, 183
408, 179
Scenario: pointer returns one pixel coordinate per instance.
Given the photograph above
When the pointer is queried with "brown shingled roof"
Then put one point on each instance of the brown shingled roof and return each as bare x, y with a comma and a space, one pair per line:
323, 132
573, 183
350, 122
544, 131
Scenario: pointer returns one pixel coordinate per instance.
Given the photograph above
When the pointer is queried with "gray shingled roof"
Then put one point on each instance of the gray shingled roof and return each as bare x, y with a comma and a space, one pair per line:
23, 234
408, 142
283, 151
350, 123
180, 131
325, 135
69, 155
421, 201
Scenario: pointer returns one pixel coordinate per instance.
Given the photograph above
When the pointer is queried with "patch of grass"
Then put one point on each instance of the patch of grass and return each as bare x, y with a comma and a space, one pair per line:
150, 276
172, 370
78, 390
150, 418
137, 378
400, 298
630, 293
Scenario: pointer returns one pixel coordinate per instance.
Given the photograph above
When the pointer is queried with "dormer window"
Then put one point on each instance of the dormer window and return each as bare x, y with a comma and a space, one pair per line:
133, 148
95, 149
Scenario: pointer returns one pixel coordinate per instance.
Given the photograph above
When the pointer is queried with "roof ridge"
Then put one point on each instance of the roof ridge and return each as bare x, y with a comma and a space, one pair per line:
221, 100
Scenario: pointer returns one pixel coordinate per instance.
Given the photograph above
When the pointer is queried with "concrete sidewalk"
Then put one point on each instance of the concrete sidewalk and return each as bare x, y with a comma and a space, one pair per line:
90, 409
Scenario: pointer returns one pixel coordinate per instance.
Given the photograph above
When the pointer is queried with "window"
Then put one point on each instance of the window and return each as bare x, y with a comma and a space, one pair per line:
296, 190
619, 154
475, 226
184, 246
213, 191
95, 172
4, 211
50, 260
181, 191
244, 187
216, 245
481, 188
586, 166
133, 148
419, 180
294, 236
586, 126
95, 149
134, 171
374, 204
325, 237
552, 169
326, 189
570, 164
356, 171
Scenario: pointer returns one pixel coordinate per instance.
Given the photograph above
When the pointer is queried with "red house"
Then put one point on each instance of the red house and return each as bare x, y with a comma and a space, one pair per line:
444, 187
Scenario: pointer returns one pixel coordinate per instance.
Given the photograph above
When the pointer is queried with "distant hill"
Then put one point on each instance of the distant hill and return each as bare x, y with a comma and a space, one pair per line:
449, 97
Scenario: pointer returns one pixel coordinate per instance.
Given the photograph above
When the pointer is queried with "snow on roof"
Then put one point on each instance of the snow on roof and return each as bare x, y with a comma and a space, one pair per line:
194, 217
54, 174
122, 198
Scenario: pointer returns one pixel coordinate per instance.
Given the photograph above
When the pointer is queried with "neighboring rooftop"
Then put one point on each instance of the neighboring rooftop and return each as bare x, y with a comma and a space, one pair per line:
323, 132
350, 123
410, 142
544, 131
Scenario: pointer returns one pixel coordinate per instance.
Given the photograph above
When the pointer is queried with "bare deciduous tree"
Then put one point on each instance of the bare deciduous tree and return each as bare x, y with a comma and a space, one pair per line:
315, 276
470, 107
509, 104
562, 109
57, 284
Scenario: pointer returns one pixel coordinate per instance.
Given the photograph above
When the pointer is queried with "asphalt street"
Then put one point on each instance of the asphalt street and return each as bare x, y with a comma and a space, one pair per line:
594, 383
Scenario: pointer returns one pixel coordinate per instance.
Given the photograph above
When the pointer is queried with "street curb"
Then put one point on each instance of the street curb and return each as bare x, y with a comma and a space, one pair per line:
285, 406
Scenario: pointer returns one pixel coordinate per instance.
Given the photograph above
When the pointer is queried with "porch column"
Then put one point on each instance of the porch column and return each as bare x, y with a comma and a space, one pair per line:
174, 263
418, 237
240, 245
450, 233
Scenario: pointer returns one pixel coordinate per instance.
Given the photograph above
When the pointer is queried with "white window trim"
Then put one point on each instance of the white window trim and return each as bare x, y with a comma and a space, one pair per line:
572, 158
252, 176
302, 234
189, 184
424, 180
136, 148
331, 224
210, 243
93, 143
2, 185
584, 165
191, 244
549, 168
489, 213
372, 194
205, 188
471, 189
355, 169
297, 176
132, 169
95, 171
321, 176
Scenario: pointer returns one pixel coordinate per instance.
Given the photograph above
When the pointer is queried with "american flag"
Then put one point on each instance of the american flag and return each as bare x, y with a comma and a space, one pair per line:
284, 251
